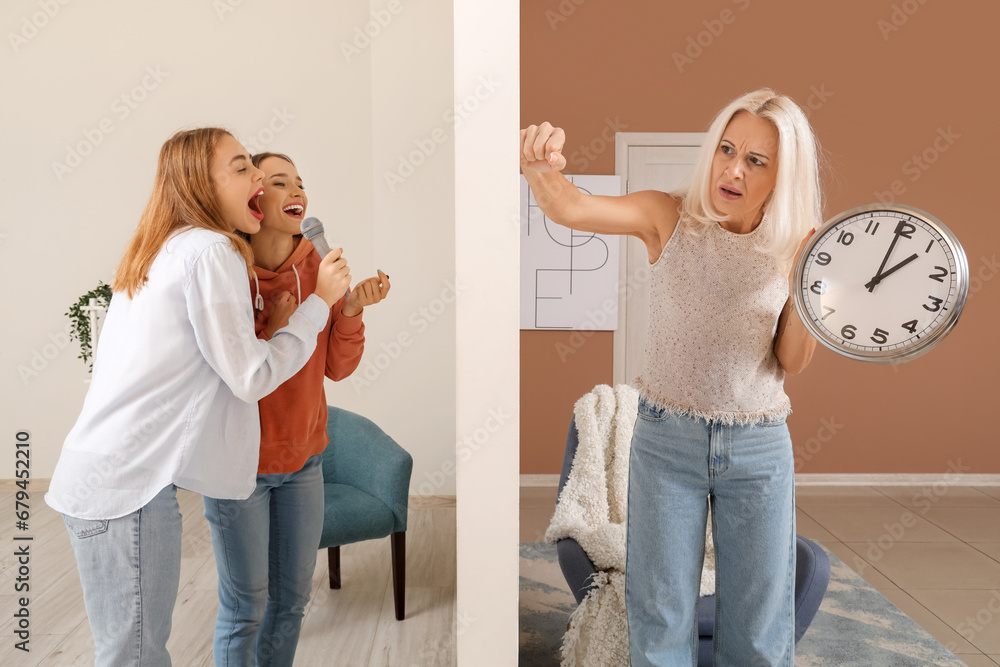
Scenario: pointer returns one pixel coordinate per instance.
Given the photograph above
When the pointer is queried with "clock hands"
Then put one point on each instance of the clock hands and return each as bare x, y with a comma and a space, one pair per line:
877, 279
902, 229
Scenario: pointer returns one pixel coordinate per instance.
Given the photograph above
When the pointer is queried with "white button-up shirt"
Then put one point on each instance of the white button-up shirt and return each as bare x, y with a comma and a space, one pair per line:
177, 376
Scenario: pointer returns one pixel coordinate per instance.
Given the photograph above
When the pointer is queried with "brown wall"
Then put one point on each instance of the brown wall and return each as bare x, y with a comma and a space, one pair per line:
882, 84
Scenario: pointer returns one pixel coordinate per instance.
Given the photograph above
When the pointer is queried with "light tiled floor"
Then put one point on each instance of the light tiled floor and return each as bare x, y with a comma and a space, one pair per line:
934, 552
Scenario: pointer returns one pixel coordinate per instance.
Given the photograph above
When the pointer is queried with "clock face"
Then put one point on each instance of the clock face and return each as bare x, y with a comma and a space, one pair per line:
881, 283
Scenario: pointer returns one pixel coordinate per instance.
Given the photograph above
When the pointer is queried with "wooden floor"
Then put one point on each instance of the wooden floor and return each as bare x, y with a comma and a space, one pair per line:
353, 626
934, 552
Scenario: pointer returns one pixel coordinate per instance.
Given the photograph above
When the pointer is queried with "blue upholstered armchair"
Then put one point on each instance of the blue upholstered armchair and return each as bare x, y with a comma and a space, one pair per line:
366, 481
812, 573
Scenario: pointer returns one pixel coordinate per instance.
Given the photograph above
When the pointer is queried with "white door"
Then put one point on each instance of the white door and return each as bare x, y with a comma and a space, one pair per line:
648, 161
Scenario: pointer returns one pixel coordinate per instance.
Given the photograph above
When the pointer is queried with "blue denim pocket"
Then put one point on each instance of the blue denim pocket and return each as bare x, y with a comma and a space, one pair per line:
649, 411
83, 528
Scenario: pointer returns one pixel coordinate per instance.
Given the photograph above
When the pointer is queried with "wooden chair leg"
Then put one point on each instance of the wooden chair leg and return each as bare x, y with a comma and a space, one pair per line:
333, 558
399, 572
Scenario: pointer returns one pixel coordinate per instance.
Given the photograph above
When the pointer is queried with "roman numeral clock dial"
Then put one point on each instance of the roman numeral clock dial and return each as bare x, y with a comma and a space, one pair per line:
881, 283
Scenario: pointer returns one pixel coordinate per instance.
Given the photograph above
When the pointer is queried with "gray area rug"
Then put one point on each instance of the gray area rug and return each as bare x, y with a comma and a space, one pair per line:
855, 626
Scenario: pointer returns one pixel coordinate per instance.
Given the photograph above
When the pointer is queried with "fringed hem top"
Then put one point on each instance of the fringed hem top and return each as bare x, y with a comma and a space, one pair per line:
715, 298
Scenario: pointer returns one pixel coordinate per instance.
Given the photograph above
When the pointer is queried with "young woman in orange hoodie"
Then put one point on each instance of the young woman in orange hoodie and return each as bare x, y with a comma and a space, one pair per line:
266, 546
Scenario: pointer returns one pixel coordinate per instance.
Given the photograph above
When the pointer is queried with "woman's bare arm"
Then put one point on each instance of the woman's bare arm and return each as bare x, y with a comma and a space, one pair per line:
649, 215
793, 344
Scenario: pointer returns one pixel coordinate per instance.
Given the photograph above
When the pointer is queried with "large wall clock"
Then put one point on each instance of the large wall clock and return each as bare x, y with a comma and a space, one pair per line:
882, 283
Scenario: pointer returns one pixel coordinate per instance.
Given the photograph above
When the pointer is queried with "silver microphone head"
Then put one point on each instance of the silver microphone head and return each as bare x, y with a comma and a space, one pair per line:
312, 229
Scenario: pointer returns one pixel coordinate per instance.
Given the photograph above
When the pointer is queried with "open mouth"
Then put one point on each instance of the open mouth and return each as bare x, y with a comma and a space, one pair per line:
254, 205
294, 211
728, 193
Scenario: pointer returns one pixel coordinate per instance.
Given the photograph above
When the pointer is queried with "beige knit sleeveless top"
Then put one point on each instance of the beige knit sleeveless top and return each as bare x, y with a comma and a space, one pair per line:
714, 303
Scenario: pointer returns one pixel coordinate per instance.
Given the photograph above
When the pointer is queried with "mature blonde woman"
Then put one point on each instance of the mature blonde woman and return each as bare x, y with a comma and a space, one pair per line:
723, 332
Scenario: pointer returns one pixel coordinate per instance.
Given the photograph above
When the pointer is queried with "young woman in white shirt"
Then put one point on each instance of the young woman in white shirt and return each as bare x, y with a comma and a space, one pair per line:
173, 399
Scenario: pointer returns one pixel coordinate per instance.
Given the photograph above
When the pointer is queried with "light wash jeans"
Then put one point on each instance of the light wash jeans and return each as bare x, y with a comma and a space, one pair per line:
265, 552
130, 568
746, 473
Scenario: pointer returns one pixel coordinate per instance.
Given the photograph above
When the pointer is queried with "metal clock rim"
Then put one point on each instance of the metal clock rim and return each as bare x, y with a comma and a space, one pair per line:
889, 356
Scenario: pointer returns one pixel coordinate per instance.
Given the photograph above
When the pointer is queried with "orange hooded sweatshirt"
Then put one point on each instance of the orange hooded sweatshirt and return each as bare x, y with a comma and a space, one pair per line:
293, 417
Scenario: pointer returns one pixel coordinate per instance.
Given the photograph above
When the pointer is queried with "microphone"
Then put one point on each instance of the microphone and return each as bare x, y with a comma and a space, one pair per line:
312, 229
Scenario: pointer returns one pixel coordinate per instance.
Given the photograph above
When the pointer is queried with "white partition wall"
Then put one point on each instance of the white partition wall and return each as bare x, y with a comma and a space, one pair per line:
486, 251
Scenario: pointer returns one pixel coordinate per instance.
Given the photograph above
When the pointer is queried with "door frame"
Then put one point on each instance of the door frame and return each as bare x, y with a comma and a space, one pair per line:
629, 262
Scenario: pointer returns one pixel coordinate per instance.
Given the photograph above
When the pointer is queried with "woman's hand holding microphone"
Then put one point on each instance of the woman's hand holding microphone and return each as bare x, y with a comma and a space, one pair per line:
333, 278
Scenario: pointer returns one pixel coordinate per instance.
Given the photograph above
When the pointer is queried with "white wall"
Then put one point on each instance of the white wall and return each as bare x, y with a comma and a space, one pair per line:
487, 236
407, 376
278, 75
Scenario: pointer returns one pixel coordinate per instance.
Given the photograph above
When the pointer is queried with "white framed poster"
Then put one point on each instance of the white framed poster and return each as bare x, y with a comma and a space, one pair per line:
569, 278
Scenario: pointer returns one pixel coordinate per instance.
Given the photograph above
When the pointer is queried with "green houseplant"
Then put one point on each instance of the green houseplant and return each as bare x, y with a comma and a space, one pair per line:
79, 317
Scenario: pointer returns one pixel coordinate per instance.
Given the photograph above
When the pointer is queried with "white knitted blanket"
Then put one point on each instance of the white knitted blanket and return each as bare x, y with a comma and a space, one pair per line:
592, 509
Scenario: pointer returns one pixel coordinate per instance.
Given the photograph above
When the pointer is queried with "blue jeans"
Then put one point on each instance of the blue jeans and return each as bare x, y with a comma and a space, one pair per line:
265, 552
746, 474
130, 568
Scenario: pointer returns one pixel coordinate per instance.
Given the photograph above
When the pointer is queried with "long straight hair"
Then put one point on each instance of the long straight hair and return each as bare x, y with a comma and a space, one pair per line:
795, 206
184, 195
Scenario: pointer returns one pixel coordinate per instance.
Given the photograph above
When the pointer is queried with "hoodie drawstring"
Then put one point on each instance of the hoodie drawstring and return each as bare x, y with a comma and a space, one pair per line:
258, 301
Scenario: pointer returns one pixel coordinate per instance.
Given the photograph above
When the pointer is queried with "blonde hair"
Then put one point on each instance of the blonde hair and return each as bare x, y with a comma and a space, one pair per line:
796, 204
184, 195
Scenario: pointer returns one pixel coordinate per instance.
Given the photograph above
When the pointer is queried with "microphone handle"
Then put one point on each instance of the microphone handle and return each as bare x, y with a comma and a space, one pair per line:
322, 247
